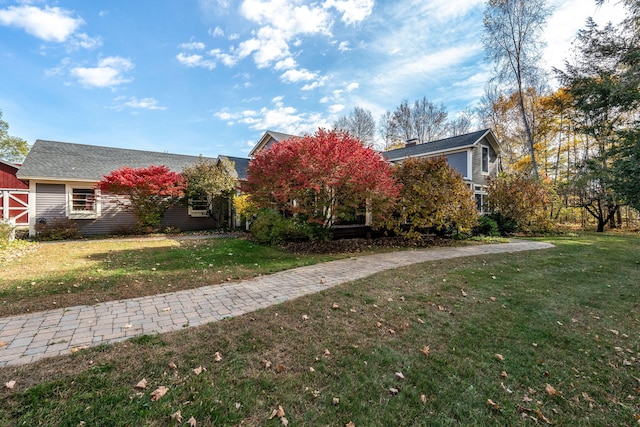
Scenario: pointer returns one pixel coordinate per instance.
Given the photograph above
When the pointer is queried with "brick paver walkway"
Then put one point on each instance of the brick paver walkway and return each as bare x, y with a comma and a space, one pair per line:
34, 336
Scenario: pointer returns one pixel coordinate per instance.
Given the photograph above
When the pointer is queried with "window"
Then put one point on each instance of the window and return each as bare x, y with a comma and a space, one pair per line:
480, 194
485, 159
199, 207
83, 203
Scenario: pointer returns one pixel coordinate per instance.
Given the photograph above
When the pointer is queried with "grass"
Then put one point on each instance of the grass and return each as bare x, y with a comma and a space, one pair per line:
564, 321
53, 275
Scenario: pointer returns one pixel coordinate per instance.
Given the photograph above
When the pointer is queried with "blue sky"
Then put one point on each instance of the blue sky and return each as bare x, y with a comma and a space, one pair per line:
210, 76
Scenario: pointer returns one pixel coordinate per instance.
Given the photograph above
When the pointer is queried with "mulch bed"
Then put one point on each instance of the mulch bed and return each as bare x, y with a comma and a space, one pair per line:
359, 245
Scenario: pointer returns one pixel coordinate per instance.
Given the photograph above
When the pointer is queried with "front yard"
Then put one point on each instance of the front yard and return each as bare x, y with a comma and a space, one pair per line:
534, 338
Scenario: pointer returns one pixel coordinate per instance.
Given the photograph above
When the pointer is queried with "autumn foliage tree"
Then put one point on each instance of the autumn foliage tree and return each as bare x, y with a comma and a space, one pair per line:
521, 199
433, 196
150, 191
321, 178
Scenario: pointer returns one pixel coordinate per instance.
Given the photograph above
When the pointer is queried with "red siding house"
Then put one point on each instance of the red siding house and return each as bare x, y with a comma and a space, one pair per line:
14, 195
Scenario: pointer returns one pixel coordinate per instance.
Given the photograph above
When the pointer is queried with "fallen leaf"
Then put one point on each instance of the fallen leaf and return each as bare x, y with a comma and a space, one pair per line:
493, 405
551, 391
327, 352
10, 385
177, 416
173, 366
425, 350
614, 332
127, 326
311, 369
492, 299
2, 343
441, 308
423, 398
336, 401
315, 393
266, 363
527, 399
378, 325
399, 375
586, 397
77, 349
305, 317
542, 417
499, 357
280, 368
504, 374
192, 422
198, 370
393, 391
335, 306
158, 393
420, 321
142, 384
464, 294
280, 412
392, 332
217, 356
238, 405
350, 424
284, 421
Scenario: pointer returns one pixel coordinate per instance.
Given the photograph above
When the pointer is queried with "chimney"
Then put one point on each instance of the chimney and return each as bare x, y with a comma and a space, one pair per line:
411, 142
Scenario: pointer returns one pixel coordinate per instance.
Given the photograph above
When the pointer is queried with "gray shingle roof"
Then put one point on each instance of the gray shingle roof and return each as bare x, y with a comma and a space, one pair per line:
446, 144
241, 165
67, 161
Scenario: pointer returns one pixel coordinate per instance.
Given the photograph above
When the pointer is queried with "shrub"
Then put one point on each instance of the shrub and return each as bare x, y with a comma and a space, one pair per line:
433, 196
487, 226
270, 227
57, 229
520, 203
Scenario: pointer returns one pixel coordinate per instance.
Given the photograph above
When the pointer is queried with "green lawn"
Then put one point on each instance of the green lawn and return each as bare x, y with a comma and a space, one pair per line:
534, 338
62, 274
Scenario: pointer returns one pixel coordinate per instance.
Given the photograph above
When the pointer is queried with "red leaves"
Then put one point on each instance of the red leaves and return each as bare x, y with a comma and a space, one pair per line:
156, 180
151, 191
321, 176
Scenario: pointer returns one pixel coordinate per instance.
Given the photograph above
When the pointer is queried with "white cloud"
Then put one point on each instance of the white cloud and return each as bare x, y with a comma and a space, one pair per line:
344, 47
144, 104
285, 64
279, 117
51, 24
84, 41
109, 72
567, 19
353, 11
352, 86
216, 32
301, 75
192, 46
195, 60
336, 108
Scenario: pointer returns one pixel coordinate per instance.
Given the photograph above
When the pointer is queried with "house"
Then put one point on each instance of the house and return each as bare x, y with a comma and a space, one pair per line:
475, 155
62, 184
14, 195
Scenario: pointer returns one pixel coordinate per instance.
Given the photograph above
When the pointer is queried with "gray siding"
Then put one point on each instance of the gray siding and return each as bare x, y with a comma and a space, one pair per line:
50, 201
113, 219
458, 161
478, 177
178, 216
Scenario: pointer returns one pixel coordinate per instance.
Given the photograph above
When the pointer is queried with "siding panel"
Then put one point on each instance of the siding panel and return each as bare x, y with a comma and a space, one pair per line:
50, 201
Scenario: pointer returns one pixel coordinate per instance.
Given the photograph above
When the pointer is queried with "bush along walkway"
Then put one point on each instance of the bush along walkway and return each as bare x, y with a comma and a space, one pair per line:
27, 338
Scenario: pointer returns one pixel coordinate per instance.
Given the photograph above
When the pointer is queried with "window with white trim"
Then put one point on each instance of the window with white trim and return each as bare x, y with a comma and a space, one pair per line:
83, 202
485, 159
199, 207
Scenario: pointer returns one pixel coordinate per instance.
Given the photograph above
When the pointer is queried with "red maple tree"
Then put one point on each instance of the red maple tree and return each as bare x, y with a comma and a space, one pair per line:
150, 191
323, 177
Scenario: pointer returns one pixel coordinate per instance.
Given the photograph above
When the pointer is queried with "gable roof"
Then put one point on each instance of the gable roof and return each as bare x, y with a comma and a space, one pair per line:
268, 135
442, 145
66, 161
